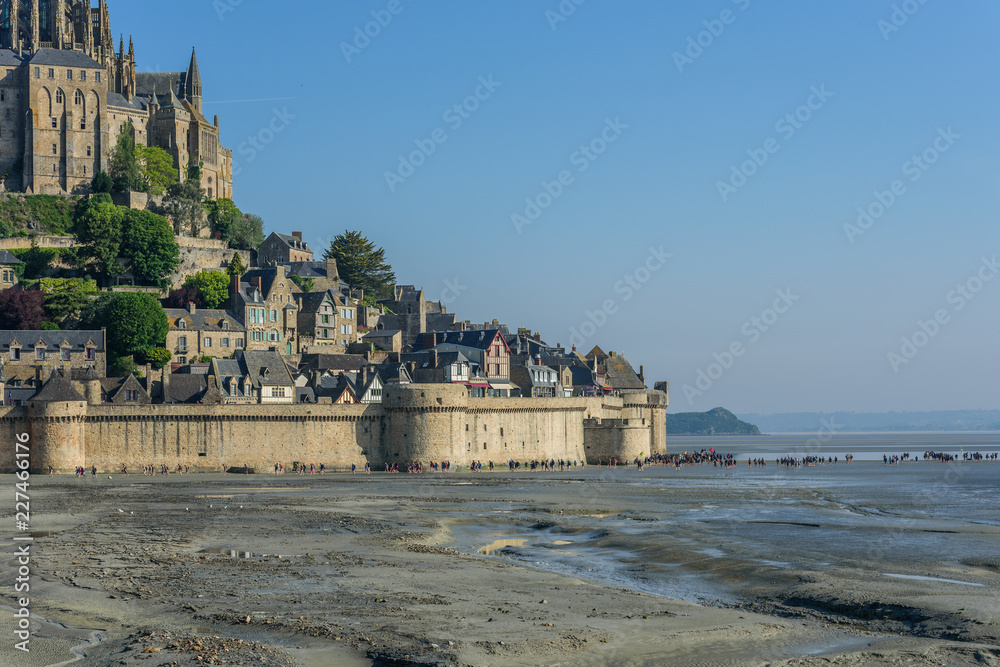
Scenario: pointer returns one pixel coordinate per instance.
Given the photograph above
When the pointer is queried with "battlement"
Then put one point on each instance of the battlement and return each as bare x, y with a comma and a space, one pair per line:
415, 422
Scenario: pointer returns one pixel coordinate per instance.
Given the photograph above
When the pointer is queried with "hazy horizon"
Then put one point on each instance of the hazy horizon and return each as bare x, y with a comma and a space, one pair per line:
585, 187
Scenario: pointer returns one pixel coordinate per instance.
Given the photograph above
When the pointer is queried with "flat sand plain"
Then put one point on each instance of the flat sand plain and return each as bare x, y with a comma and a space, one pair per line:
840, 566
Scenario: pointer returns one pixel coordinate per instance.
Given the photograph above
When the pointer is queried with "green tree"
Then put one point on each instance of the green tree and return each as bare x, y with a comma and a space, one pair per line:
67, 297
213, 287
245, 232
221, 214
157, 168
362, 265
126, 170
157, 357
122, 367
185, 206
102, 183
304, 284
149, 241
99, 229
135, 322
236, 266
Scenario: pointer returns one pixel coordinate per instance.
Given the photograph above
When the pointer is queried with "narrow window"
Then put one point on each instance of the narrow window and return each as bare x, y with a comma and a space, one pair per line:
97, 77
83, 75
38, 72
88, 151
55, 149
78, 97
52, 73
65, 354
69, 74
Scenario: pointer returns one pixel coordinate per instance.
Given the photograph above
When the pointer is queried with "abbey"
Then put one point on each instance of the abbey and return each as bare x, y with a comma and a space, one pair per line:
66, 95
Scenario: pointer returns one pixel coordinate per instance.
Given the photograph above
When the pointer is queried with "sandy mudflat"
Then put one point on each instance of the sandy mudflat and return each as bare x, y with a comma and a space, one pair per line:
577, 568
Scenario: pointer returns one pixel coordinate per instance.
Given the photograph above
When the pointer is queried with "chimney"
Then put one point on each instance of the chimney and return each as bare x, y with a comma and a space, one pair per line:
191, 307
434, 359
574, 348
538, 360
430, 340
298, 235
256, 282
642, 375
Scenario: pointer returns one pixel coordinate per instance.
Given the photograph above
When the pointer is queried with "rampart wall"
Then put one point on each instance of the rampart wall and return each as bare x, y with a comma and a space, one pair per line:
417, 422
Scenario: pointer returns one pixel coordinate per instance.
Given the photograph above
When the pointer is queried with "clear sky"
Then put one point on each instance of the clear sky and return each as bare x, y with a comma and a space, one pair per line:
629, 126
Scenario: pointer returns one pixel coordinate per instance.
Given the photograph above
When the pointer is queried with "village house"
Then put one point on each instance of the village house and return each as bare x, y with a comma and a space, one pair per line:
387, 340
30, 356
262, 300
536, 380
283, 249
327, 319
322, 273
485, 347
253, 377
8, 276
193, 333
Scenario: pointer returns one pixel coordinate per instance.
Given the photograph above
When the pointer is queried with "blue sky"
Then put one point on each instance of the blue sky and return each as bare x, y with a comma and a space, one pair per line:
882, 90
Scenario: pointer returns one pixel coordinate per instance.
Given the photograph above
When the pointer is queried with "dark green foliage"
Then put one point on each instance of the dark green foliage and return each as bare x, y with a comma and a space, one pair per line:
221, 214
205, 358
717, 421
67, 297
45, 214
126, 168
21, 309
245, 232
148, 240
185, 206
156, 357
236, 266
99, 228
49, 326
36, 261
122, 367
362, 265
212, 286
102, 183
135, 322
304, 284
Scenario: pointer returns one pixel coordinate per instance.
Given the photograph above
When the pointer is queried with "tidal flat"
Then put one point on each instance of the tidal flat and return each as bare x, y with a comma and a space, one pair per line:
857, 564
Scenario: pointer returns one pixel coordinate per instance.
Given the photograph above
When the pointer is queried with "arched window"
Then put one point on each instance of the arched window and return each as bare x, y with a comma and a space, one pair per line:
78, 98
59, 97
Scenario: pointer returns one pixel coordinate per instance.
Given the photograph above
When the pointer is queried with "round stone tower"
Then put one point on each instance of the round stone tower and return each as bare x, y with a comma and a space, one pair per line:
92, 386
424, 422
56, 415
644, 413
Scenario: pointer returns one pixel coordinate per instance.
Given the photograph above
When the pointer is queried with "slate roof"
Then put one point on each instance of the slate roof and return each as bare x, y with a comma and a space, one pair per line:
582, 376
60, 58
185, 388
391, 372
290, 241
479, 339
52, 339
309, 302
265, 367
382, 333
202, 319
267, 278
5, 256
10, 58
118, 100
305, 395
306, 269
322, 362
146, 83
58, 390
621, 375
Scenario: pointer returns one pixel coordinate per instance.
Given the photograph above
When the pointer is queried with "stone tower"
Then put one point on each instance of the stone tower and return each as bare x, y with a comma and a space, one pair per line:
193, 83
56, 416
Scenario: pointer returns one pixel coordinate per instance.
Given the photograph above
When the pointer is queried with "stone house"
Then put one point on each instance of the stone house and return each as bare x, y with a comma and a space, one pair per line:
411, 312
389, 340
8, 277
620, 376
323, 273
327, 319
263, 302
125, 391
29, 357
536, 380
253, 377
193, 333
283, 249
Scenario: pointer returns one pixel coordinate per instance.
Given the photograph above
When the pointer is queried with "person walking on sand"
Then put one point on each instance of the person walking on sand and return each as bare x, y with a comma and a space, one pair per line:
352, 468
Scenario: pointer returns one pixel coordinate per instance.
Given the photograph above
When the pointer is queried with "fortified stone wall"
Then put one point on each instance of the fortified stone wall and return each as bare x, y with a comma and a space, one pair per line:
429, 422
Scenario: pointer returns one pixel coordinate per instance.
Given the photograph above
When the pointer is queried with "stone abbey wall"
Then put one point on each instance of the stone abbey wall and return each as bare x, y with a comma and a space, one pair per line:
424, 422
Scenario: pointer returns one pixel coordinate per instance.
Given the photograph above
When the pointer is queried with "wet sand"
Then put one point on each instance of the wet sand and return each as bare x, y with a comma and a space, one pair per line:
846, 565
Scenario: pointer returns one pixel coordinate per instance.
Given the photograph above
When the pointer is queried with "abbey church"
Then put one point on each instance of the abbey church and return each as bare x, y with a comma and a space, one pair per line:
66, 95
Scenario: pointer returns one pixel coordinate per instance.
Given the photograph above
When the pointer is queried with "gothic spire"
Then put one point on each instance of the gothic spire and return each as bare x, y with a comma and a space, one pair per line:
193, 82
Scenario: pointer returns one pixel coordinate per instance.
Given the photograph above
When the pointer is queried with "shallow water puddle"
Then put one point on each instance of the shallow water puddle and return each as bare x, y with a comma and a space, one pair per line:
495, 547
921, 578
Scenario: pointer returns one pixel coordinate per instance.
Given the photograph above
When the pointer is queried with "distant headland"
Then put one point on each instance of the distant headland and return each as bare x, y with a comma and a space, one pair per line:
717, 421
